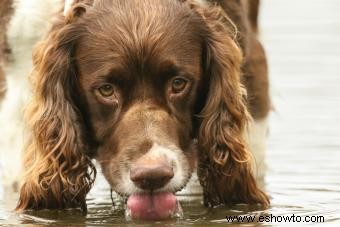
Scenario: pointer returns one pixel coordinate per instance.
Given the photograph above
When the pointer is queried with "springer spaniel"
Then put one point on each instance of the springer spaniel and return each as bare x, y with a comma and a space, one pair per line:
153, 90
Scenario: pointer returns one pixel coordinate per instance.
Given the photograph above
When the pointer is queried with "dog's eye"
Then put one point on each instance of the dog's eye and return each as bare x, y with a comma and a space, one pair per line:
178, 85
106, 90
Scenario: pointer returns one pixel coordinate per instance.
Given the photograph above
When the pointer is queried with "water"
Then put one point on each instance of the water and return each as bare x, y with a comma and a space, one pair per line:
302, 39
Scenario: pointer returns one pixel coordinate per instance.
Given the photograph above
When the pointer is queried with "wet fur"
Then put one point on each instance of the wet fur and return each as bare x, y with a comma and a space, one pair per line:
58, 168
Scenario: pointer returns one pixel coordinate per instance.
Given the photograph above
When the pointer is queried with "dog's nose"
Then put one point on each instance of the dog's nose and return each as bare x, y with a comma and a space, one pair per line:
151, 176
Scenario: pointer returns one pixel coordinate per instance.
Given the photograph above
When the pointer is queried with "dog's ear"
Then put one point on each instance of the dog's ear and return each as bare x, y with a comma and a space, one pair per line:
224, 167
58, 173
75, 8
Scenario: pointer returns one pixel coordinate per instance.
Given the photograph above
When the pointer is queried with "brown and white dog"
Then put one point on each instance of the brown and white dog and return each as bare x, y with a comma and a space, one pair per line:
153, 90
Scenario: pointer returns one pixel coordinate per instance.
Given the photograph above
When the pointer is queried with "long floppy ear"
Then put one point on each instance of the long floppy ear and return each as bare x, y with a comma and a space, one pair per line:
224, 167
58, 172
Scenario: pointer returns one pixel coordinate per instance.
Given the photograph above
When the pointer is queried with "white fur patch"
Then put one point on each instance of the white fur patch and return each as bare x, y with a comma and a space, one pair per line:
193, 187
31, 19
68, 4
256, 137
202, 2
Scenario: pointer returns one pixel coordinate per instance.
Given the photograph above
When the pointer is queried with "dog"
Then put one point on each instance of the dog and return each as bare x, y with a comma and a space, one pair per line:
153, 90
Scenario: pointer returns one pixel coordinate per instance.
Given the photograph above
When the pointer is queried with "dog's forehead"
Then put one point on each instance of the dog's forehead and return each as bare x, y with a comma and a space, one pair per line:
145, 34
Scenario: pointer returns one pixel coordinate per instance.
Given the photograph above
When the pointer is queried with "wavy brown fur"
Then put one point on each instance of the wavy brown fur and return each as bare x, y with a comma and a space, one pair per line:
224, 161
58, 173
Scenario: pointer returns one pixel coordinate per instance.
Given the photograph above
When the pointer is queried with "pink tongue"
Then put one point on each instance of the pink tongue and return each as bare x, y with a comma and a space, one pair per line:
152, 206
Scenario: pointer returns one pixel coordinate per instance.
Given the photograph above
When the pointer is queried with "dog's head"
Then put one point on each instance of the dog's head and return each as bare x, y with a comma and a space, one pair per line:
140, 72
144, 87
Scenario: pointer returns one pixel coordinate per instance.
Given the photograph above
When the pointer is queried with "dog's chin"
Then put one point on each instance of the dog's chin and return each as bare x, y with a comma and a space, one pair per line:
153, 206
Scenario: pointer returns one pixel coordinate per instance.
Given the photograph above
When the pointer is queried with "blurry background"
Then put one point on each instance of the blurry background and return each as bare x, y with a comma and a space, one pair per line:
302, 40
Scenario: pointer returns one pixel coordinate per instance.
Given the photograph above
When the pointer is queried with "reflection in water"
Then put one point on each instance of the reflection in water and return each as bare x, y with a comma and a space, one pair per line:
304, 143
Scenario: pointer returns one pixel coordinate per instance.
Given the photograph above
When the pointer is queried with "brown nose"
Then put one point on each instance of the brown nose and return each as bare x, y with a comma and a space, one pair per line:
151, 176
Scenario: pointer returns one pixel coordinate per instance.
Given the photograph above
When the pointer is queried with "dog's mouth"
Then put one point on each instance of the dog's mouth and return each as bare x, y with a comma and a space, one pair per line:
153, 206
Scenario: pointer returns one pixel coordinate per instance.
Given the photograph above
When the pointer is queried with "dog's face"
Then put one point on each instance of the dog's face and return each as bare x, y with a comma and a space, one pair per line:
134, 84
140, 82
